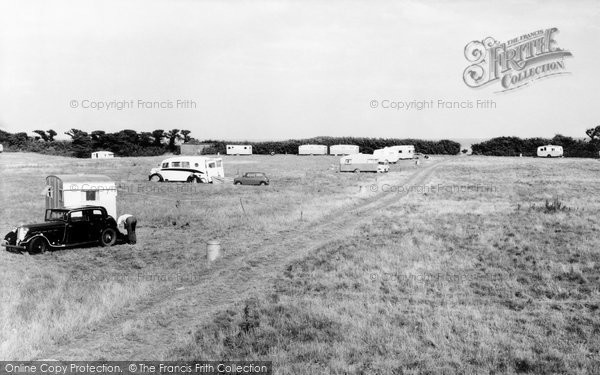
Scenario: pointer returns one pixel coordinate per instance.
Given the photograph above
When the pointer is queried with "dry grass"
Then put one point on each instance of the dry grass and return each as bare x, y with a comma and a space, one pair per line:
49, 299
469, 282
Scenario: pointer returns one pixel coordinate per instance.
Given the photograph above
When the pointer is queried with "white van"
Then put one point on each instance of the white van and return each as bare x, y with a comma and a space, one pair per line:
188, 169
386, 154
550, 151
404, 152
363, 163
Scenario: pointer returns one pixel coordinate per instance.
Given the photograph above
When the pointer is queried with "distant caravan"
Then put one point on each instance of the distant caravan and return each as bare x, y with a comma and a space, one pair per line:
239, 150
550, 151
404, 152
386, 154
343, 150
312, 150
363, 163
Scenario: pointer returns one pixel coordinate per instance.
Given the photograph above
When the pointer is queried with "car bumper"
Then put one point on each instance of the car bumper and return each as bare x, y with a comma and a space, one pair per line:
19, 248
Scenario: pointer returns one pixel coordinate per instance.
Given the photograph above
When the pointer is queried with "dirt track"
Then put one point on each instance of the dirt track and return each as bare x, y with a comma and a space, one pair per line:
167, 318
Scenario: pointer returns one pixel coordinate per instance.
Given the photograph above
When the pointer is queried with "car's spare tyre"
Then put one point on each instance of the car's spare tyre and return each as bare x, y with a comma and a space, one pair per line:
37, 245
108, 237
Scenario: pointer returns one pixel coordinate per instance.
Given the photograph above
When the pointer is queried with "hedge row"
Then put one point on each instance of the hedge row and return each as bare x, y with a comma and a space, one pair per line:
514, 146
366, 145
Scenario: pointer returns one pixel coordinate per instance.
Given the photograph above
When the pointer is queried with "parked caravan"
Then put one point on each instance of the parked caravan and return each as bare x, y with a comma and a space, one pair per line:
102, 155
404, 152
550, 151
363, 163
188, 169
1, 148
312, 150
77, 190
343, 150
239, 150
386, 154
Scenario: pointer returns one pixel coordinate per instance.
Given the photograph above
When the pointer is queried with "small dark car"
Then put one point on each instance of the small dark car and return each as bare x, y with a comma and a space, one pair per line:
65, 228
251, 178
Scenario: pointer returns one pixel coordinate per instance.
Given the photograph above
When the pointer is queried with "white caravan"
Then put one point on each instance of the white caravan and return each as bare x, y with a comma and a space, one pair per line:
363, 163
188, 169
404, 152
386, 154
102, 155
312, 150
550, 151
239, 150
76, 190
343, 150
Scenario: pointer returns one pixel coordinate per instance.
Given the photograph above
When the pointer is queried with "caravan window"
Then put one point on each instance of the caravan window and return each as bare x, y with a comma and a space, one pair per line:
196, 165
211, 164
219, 164
175, 164
91, 195
165, 165
185, 164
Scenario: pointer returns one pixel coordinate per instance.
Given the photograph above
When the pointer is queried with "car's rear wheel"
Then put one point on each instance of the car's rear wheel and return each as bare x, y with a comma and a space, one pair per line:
237, 183
108, 237
194, 180
155, 178
37, 245
262, 183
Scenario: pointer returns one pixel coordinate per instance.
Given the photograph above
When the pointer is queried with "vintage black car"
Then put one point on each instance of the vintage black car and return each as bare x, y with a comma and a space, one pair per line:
65, 228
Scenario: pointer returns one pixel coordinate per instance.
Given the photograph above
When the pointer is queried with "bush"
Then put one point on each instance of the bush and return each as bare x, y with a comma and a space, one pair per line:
514, 146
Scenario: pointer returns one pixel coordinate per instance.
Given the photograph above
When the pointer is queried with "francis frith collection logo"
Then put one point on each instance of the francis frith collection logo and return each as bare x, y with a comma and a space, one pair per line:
514, 63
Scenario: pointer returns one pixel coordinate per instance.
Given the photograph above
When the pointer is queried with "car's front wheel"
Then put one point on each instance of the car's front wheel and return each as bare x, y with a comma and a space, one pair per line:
262, 183
37, 245
237, 183
108, 237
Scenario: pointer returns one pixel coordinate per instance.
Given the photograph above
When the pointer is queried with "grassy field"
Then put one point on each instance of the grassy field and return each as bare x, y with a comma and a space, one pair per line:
48, 299
486, 265
496, 272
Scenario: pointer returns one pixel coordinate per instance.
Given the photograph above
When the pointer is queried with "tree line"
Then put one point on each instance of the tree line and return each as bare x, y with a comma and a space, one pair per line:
366, 145
515, 146
122, 143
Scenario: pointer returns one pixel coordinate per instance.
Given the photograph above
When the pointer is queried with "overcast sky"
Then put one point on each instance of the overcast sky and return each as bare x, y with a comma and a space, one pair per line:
287, 69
